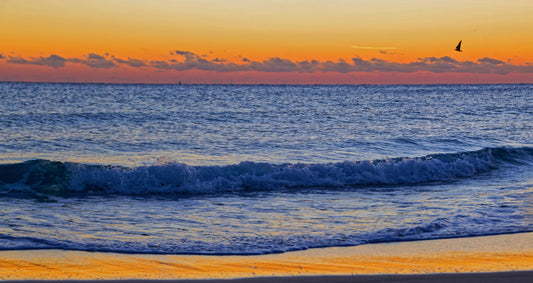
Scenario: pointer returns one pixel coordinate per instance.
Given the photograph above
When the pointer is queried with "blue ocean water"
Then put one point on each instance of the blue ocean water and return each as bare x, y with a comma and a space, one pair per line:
253, 169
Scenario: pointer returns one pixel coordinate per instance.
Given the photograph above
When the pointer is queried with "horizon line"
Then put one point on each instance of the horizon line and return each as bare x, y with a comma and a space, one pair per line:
261, 84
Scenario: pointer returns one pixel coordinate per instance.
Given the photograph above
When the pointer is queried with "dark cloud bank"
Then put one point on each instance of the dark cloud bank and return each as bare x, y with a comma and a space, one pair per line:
92, 60
186, 60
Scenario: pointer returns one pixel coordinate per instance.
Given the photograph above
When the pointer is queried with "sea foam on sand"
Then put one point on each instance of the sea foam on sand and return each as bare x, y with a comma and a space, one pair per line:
499, 253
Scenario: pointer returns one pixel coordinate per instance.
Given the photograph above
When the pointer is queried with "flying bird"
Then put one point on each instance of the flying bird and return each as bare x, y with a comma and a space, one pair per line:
458, 47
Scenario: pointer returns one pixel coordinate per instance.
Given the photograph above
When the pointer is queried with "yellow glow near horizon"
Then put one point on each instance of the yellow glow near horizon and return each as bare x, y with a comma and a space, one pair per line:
275, 28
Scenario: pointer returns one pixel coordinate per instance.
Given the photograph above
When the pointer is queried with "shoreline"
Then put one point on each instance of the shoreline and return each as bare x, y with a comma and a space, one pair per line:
499, 255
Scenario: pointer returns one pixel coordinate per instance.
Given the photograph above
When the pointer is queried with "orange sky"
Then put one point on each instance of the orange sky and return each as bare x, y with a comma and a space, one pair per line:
270, 41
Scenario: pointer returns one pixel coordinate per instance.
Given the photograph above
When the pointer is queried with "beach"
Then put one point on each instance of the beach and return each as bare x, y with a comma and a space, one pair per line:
477, 258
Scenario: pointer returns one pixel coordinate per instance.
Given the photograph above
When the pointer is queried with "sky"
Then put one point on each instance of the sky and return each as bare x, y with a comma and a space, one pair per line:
268, 41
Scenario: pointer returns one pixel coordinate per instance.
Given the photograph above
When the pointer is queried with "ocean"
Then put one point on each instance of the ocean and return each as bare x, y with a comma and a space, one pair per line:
259, 169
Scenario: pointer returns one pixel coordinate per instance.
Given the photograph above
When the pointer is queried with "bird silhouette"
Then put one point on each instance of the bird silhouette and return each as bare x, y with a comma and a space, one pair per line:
458, 47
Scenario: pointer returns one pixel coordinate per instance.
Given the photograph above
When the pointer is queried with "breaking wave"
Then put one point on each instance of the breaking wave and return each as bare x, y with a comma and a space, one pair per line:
55, 177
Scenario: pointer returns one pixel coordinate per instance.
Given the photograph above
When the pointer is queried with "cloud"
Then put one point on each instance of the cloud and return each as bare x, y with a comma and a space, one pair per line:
198, 62
275, 65
181, 60
184, 53
490, 61
53, 61
194, 61
340, 66
2, 56
18, 60
160, 65
444, 59
97, 61
309, 66
132, 62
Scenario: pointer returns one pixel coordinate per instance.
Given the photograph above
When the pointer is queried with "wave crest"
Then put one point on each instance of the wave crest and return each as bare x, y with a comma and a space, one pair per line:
56, 177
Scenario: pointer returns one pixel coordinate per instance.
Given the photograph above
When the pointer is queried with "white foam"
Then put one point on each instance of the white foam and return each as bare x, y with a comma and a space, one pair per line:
182, 178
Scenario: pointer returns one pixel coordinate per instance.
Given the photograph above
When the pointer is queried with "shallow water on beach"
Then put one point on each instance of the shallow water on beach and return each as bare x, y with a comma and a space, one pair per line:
219, 169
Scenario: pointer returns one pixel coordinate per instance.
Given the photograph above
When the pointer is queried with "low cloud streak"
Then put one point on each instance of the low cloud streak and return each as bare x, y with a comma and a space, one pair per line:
182, 60
55, 61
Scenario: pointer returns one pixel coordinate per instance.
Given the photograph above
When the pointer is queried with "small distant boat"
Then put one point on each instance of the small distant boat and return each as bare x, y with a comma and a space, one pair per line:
458, 47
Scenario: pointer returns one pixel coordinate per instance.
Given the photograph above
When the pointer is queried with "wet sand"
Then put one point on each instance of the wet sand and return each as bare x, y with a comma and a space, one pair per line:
477, 259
